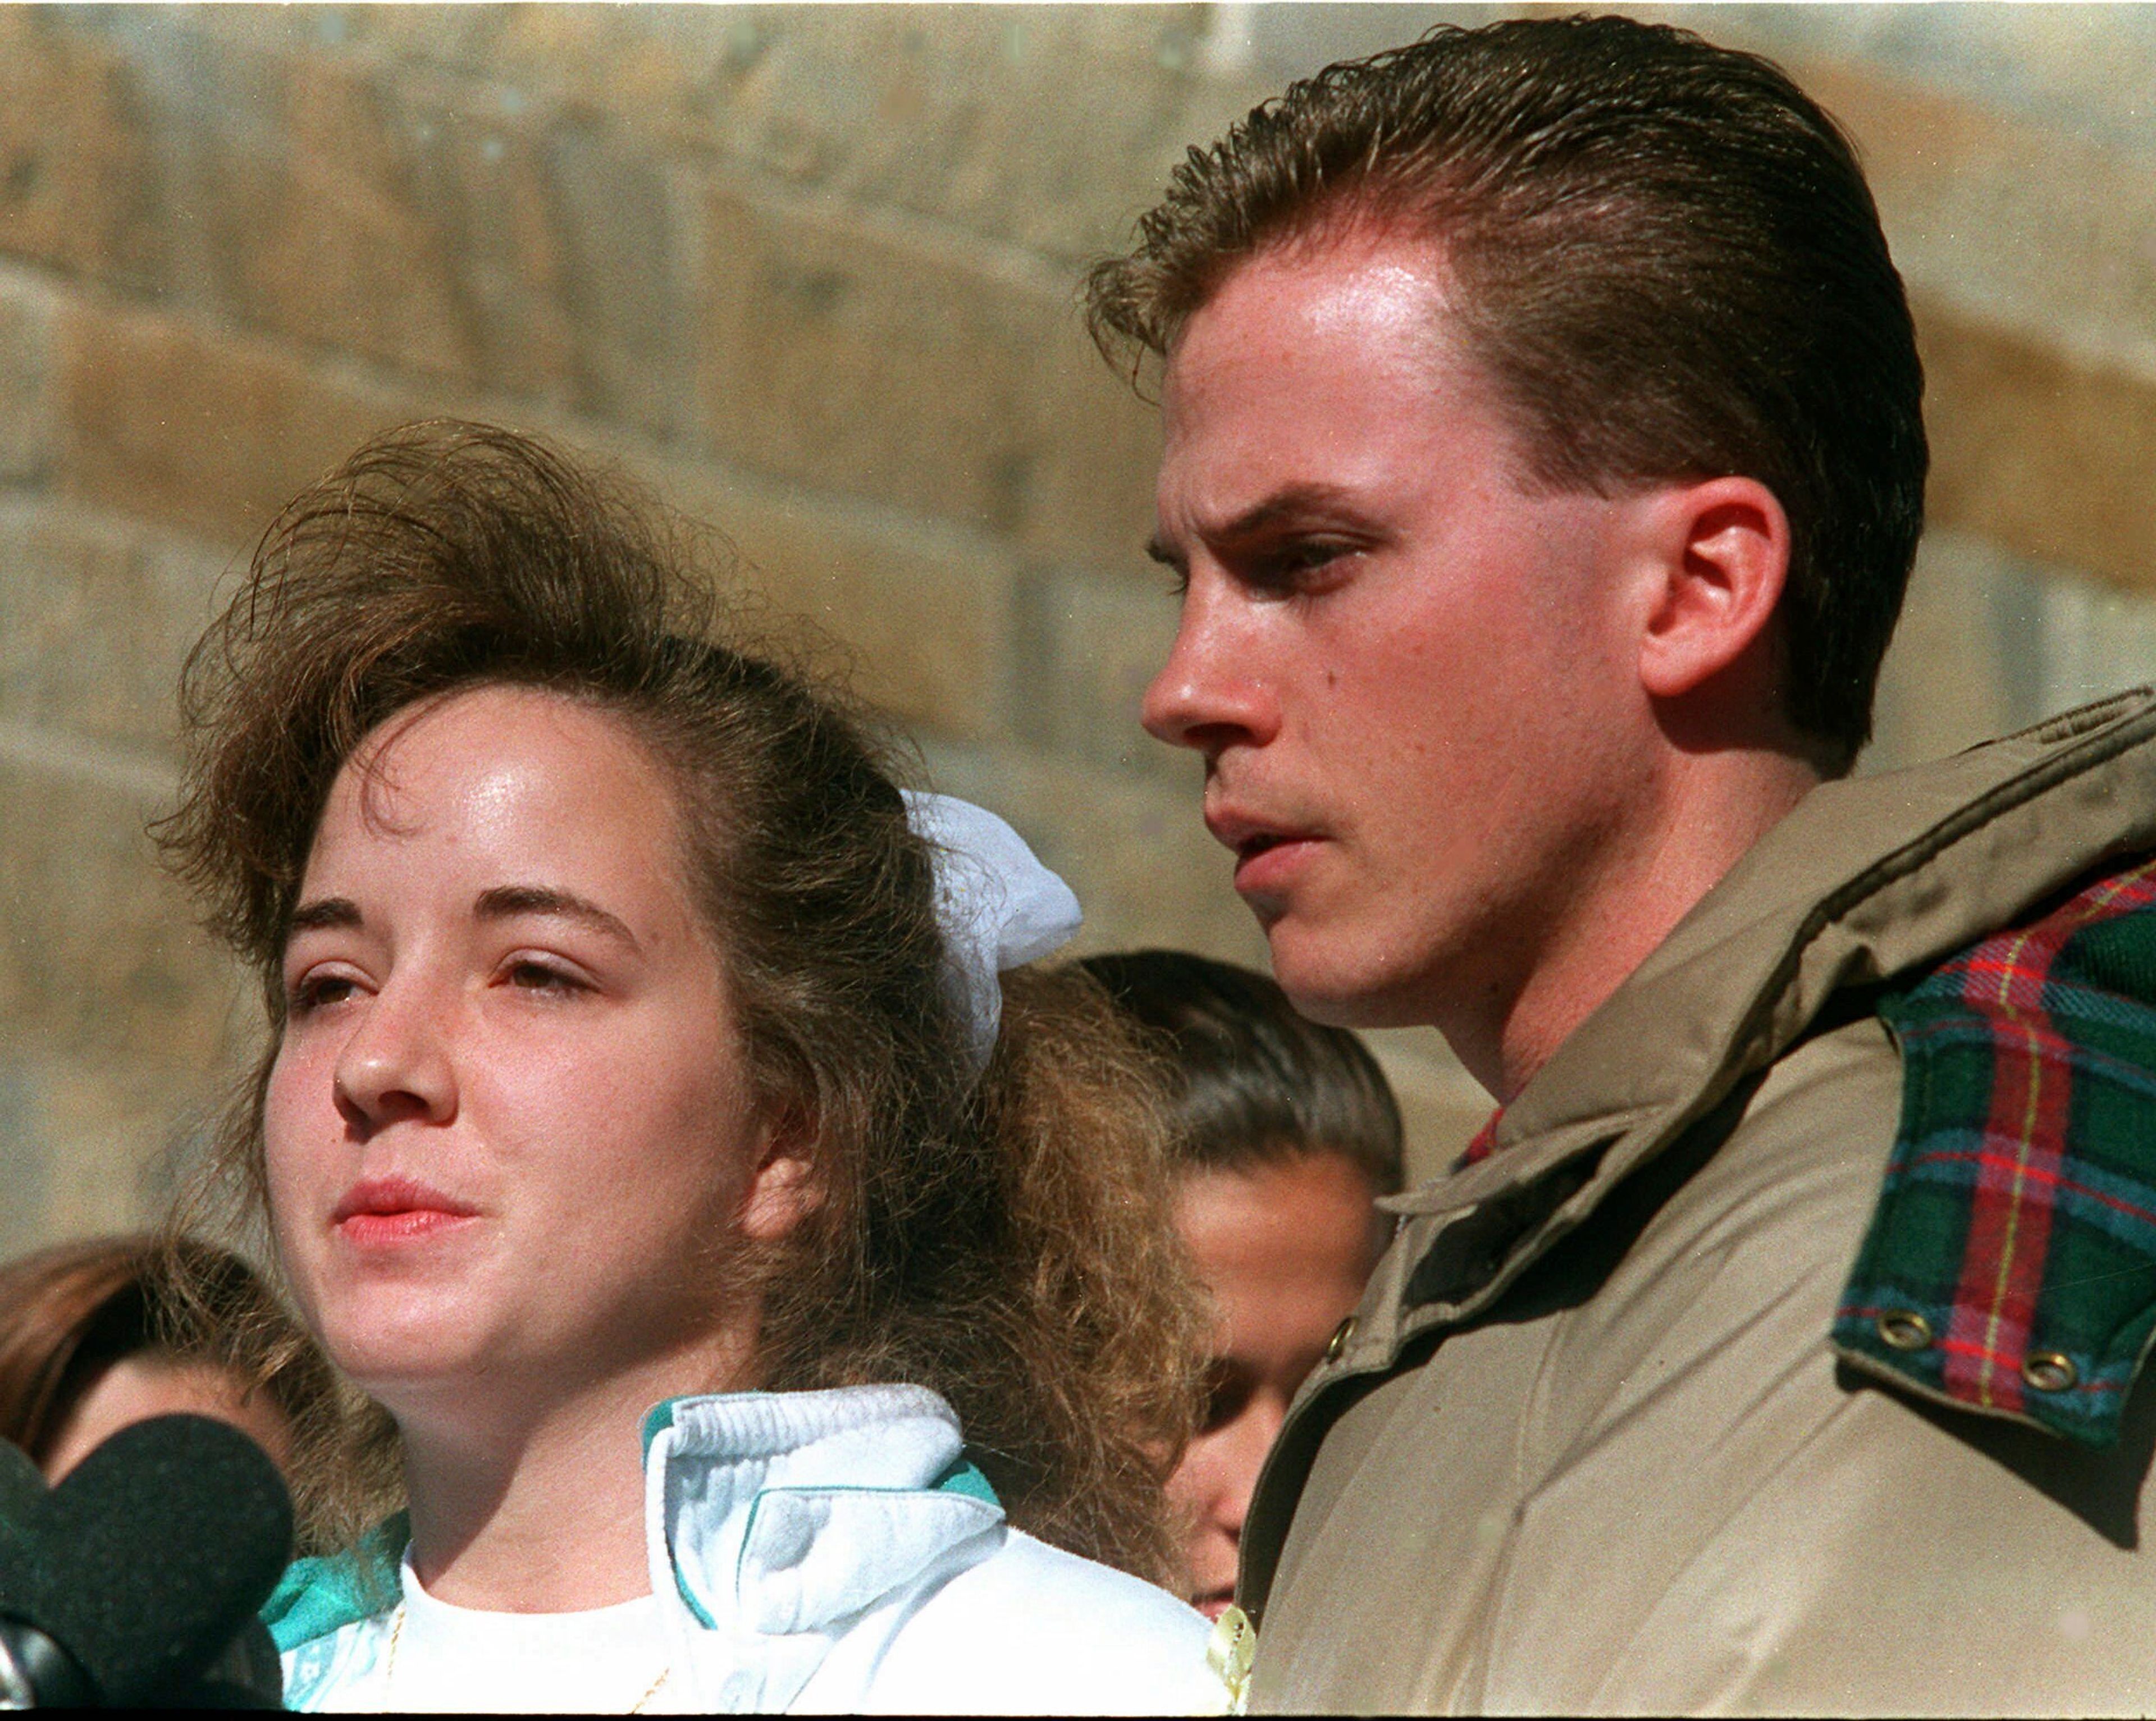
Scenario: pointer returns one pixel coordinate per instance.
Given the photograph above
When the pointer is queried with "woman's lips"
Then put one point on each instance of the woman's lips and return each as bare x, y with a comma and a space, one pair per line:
1213, 1606
379, 1229
384, 1210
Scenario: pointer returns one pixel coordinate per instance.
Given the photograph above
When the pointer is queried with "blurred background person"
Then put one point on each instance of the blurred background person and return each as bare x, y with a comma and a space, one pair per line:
88, 1346
1285, 1135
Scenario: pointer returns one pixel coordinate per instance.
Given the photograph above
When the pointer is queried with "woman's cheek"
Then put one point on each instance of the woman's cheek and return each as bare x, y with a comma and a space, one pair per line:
287, 1176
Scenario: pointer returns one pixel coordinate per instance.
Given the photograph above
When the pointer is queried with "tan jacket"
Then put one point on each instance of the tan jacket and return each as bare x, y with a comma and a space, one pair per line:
1587, 1447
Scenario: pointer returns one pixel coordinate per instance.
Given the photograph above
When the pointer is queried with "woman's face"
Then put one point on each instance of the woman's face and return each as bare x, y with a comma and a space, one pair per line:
510, 1131
1284, 1247
149, 1383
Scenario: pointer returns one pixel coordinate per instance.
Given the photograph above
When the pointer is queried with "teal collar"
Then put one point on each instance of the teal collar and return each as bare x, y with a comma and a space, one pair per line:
324, 1593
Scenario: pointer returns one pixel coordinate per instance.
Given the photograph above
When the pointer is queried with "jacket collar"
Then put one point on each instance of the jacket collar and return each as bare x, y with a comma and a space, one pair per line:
1864, 880
783, 1513
781, 1519
776, 1518
2010, 1267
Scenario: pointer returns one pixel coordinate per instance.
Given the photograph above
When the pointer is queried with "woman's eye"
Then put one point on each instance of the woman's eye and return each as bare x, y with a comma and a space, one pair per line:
317, 992
1228, 1391
529, 976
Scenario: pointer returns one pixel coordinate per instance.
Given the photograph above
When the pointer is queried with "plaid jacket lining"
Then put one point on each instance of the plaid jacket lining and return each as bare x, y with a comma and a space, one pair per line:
2010, 1266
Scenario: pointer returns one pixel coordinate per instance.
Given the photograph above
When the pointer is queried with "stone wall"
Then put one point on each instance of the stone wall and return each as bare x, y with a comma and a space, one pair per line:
811, 273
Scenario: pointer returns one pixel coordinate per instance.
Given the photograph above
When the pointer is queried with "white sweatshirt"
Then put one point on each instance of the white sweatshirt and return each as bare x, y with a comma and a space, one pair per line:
825, 1551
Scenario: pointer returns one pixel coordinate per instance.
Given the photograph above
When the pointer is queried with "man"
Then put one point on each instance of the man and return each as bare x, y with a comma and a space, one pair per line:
1543, 462
1283, 1135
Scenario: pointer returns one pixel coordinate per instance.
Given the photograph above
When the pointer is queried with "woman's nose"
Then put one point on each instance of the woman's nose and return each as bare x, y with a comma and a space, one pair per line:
1254, 1434
397, 1065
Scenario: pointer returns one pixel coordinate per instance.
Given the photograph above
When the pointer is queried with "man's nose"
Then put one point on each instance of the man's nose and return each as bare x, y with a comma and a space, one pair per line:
396, 1067
1213, 692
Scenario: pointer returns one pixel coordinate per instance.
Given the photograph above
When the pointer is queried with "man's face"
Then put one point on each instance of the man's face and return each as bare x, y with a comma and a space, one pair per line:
1408, 670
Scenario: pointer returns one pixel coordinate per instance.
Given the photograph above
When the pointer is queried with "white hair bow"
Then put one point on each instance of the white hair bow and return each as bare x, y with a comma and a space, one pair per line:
999, 907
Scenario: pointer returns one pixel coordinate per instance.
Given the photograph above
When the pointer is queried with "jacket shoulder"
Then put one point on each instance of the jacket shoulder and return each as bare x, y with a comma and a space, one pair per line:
1733, 1274
2011, 1267
1034, 1630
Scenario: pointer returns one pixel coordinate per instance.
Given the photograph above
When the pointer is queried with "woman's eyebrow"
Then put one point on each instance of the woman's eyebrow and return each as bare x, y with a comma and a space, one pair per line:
325, 911
506, 901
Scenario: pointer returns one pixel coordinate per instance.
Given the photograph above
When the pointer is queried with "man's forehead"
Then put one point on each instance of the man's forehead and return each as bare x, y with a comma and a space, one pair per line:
1340, 318
1340, 278
1309, 371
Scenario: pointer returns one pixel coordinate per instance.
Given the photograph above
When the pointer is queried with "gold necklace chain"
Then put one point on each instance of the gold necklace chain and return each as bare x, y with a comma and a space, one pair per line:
396, 1637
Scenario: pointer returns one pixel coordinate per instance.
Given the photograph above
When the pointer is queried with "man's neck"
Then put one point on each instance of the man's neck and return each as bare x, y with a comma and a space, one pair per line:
1715, 809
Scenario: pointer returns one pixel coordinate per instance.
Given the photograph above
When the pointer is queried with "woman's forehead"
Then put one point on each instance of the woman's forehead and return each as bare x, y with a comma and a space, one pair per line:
500, 776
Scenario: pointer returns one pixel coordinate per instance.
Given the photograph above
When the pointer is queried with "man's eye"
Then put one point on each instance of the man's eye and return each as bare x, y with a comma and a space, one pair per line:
1290, 567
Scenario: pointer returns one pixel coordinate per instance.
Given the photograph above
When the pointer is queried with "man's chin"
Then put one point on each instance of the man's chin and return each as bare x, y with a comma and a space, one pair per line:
1329, 985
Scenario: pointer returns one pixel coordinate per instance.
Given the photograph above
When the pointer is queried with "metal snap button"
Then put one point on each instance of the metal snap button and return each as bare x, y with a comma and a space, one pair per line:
1338, 1342
2047, 1371
1904, 1329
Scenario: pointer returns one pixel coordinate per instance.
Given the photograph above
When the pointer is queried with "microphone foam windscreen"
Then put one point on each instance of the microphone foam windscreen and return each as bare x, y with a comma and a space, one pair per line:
22, 1499
160, 1546
21, 1484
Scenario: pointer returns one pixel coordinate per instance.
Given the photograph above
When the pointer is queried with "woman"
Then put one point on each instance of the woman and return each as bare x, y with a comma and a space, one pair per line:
624, 1079
89, 1344
1286, 1135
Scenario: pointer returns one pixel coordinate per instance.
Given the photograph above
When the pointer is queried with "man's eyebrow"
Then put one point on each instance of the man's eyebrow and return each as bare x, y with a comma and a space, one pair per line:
506, 901
1296, 501
325, 911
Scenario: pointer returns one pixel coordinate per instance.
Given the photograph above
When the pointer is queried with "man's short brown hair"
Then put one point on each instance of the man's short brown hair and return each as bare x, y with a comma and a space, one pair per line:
1662, 251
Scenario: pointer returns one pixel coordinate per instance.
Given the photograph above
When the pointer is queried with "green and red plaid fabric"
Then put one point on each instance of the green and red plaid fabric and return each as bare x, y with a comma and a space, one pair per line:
2010, 1265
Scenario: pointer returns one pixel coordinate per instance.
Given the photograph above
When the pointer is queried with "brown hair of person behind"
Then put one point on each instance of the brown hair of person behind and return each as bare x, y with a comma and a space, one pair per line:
70, 1312
1663, 253
1251, 1082
1005, 1241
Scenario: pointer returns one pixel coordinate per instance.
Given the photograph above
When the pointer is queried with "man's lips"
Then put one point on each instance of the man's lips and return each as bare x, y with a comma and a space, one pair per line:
1267, 855
388, 1209
1250, 835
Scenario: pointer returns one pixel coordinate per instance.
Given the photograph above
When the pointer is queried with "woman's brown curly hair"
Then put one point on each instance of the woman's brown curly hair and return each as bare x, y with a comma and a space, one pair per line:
1006, 1242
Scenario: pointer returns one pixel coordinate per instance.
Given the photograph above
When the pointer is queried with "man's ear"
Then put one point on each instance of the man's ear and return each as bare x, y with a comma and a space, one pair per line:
787, 1182
1719, 556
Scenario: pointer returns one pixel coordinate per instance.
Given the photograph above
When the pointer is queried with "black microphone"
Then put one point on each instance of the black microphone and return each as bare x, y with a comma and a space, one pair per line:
29, 1661
22, 1491
146, 1567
